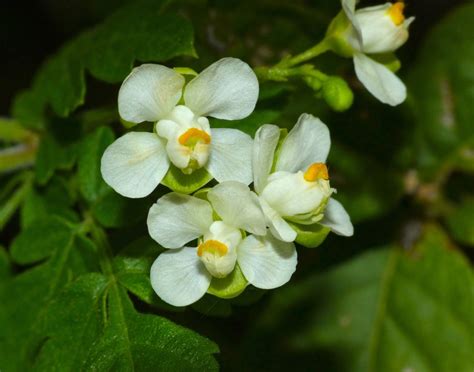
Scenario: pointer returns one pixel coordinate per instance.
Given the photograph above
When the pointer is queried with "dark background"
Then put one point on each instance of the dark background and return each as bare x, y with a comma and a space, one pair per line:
30, 31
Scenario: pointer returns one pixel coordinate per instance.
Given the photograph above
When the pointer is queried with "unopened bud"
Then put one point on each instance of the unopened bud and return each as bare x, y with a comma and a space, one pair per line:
337, 93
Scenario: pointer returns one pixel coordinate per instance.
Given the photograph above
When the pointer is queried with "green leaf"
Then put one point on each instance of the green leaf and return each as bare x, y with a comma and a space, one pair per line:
114, 210
91, 184
137, 32
230, 286
461, 222
5, 267
441, 93
52, 156
54, 199
310, 236
25, 297
386, 310
132, 267
177, 181
93, 326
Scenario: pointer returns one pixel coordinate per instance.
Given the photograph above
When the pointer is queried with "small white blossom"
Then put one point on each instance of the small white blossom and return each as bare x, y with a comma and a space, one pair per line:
296, 187
182, 275
136, 163
377, 29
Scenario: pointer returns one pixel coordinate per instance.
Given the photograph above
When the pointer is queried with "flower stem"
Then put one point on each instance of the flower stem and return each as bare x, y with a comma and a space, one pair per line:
12, 131
11, 205
308, 54
16, 157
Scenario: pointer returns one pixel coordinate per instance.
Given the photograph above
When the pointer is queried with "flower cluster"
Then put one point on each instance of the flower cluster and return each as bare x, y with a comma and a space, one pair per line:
270, 191
228, 230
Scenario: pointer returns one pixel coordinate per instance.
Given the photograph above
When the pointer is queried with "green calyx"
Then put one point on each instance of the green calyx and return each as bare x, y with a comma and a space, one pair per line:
177, 181
310, 236
230, 286
336, 35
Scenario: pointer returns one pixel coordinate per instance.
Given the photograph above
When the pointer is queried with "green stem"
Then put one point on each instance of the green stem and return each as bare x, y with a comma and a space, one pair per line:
104, 249
311, 53
12, 131
11, 205
16, 157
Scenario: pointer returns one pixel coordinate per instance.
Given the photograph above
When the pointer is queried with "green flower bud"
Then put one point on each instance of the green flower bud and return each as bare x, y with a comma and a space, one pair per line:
337, 93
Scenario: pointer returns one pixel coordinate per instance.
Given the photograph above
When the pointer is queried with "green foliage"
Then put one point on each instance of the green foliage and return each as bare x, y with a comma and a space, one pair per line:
461, 222
91, 184
441, 94
385, 310
136, 32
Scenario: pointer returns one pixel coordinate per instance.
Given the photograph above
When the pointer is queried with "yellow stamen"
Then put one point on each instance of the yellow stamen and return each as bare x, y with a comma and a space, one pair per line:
212, 246
316, 171
396, 13
193, 136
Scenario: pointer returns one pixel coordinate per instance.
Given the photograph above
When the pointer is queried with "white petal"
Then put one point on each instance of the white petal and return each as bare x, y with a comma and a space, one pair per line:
238, 207
135, 164
179, 277
379, 80
231, 155
277, 225
337, 219
267, 262
349, 9
176, 219
290, 194
227, 89
149, 93
265, 143
307, 143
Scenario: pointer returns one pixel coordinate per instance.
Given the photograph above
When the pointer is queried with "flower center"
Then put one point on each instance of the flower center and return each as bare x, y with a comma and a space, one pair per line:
316, 171
194, 136
396, 13
213, 247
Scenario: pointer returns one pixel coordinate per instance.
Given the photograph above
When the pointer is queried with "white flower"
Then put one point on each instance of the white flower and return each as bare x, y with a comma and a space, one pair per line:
136, 163
377, 29
182, 274
297, 189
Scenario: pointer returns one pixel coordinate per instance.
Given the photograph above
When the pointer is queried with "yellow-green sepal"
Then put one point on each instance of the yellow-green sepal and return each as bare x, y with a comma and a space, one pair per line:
389, 60
127, 124
336, 37
310, 236
177, 181
185, 71
230, 286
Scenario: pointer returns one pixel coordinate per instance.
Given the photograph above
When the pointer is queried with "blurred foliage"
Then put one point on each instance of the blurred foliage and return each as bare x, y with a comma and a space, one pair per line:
75, 256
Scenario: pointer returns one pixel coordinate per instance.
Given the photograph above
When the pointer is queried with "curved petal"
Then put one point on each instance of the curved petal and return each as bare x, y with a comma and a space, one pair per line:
231, 155
277, 225
176, 219
135, 164
227, 89
307, 143
265, 143
179, 277
379, 80
238, 207
267, 262
337, 219
149, 93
